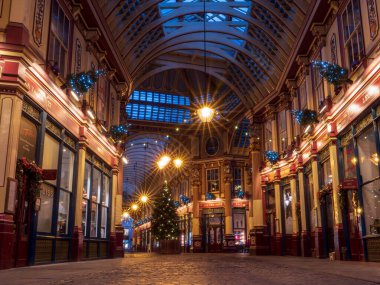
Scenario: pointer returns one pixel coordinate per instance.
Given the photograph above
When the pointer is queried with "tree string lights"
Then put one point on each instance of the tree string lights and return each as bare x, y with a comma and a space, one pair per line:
165, 222
82, 82
305, 117
333, 73
272, 156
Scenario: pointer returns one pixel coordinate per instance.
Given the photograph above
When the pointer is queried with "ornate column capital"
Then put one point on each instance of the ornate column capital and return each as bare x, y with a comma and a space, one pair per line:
319, 31
304, 62
291, 84
195, 176
228, 179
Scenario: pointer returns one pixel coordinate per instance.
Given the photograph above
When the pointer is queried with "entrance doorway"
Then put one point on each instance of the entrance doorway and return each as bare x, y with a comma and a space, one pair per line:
213, 229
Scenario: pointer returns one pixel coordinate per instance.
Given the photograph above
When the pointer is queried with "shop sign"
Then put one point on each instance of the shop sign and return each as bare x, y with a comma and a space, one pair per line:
49, 174
27, 140
350, 184
356, 107
208, 205
240, 204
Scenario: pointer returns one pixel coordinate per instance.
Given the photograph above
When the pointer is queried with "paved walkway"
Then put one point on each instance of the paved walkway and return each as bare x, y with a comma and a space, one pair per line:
198, 269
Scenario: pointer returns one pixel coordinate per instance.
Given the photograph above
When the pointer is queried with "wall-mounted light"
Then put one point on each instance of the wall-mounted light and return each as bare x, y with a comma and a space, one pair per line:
125, 160
91, 114
74, 95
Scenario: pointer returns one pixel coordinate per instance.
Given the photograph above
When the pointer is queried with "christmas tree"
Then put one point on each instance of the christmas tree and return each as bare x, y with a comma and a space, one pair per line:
165, 224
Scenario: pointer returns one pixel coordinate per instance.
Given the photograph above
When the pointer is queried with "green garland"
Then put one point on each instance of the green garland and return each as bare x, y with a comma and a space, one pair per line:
323, 192
33, 174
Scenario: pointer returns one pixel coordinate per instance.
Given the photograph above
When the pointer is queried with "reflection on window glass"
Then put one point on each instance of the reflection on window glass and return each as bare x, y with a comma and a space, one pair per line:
46, 211
349, 160
94, 220
84, 216
63, 212
67, 169
371, 200
87, 181
326, 172
51, 154
103, 226
368, 157
106, 191
96, 186
288, 211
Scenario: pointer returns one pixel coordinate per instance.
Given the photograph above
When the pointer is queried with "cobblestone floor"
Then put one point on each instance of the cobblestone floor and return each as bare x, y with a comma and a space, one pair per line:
198, 269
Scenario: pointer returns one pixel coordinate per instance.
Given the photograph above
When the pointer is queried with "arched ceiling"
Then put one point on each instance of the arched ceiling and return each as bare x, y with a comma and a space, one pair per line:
248, 43
141, 174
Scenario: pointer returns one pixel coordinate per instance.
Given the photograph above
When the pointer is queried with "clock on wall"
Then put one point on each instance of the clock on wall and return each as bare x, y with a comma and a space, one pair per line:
212, 146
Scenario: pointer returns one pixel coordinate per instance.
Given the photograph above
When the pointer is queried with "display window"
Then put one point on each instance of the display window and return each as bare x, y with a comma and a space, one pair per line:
288, 215
369, 171
96, 200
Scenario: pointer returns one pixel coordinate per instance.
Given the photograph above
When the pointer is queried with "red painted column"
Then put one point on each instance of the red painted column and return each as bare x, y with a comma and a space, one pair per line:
6, 241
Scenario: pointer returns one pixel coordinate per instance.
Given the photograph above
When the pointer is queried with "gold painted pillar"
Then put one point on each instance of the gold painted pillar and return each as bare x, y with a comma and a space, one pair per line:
228, 205
229, 238
274, 131
195, 184
10, 116
279, 238
78, 234
295, 243
339, 240
317, 231
305, 235
256, 193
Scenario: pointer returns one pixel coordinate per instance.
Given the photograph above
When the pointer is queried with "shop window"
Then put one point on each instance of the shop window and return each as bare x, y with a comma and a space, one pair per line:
352, 33
369, 170
326, 172
268, 135
310, 199
59, 38
86, 195
66, 185
213, 180
288, 204
237, 176
50, 161
349, 160
95, 203
45, 214
239, 226
282, 133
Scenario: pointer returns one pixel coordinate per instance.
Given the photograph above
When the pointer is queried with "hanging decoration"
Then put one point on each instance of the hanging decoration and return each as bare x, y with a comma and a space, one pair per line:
240, 193
305, 117
184, 199
176, 204
33, 173
143, 221
323, 192
210, 196
272, 156
119, 133
82, 82
333, 73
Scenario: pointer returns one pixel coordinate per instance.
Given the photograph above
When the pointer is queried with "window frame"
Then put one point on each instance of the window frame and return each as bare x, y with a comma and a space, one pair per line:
357, 30
89, 203
216, 176
51, 35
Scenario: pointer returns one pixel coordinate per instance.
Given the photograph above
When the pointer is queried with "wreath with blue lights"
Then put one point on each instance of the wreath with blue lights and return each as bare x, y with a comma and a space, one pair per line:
185, 200
305, 117
333, 73
119, 132
272, 156
210, 196
82, 82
